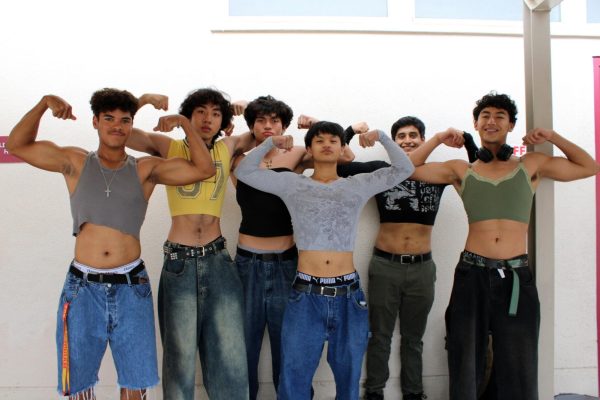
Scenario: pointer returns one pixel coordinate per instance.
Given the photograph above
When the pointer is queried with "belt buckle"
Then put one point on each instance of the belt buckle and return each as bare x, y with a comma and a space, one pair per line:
202, 251
328, 287
408, 257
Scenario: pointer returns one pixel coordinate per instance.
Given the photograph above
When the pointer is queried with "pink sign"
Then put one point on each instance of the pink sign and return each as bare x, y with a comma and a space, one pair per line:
519, 150
5, 156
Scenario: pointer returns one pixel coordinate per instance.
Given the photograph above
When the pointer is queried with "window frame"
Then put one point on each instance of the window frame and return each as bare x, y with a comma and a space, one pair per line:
401, 19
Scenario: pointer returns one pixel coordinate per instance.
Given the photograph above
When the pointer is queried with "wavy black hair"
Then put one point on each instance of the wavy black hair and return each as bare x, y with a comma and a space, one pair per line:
268, 105
201, 97
109, 99
501, 101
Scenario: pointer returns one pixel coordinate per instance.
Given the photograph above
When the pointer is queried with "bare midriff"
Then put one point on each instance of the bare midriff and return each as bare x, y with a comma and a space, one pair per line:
273, 243
404, 238
497, 238
194, 229
102, 247
325, 263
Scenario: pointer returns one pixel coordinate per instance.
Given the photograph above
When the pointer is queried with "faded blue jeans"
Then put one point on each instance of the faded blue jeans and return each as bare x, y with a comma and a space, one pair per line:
200, 308
267, 286
310, 320
100, 314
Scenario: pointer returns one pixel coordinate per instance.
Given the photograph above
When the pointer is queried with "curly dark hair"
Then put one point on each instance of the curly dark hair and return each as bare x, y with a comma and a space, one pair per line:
408, 121
501, 101
201, 97
327, 127
109, 99
268, 105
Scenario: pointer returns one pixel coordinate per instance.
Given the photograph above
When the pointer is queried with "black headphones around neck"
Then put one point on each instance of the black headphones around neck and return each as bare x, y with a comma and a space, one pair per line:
503, 153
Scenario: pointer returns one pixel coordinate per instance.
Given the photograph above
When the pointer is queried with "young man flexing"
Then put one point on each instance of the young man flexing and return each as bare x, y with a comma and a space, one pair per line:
106, 297
200, 303
402, 272
267, 256
326, 302
494, 290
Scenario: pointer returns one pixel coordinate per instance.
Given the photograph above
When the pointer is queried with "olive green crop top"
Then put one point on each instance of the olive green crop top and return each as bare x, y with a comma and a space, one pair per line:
509, 197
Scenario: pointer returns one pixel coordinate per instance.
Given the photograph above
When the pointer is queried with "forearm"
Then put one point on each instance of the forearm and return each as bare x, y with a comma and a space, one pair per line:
199, 154
470, 147
251, 161
249, 171
420, 155
398, 159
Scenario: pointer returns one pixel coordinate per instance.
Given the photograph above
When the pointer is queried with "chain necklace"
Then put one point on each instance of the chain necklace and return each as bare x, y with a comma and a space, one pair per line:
108, 183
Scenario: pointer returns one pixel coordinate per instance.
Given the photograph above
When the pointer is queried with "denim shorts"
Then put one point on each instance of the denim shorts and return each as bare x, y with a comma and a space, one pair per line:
98, 314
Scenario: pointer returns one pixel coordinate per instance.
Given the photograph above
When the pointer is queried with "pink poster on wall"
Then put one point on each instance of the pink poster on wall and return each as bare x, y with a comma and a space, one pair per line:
5, 156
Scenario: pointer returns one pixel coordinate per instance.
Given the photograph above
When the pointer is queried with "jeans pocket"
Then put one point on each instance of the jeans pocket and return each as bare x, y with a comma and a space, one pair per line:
359, 301
174, 267
295, 296
143, 288
71, 288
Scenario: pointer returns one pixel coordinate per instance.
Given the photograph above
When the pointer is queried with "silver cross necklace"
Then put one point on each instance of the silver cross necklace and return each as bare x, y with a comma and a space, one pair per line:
108, 183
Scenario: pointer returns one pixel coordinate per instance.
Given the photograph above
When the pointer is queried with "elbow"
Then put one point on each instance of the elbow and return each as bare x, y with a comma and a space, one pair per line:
208, 171
12, 147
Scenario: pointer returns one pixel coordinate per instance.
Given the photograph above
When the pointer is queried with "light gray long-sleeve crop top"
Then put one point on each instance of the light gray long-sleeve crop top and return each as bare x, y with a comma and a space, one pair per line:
325, 215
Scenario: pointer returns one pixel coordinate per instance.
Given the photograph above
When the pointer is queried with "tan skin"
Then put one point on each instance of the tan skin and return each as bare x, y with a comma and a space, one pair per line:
193, 229
100, 246
502, 238
295, 159
411, 238
325, 151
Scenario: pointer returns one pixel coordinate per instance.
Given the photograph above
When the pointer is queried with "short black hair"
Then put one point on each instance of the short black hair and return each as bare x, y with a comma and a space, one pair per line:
201, 97
324, 127
408, 121
501, 101
268, 105
109, 99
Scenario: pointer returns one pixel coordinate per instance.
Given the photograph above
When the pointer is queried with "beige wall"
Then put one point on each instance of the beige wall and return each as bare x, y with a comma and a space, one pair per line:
72, 48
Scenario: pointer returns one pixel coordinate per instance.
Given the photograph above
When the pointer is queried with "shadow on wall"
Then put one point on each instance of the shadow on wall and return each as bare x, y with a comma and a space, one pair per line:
571, 396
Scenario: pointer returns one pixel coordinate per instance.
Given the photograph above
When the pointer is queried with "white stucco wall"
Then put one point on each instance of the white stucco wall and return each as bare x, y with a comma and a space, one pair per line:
72, 48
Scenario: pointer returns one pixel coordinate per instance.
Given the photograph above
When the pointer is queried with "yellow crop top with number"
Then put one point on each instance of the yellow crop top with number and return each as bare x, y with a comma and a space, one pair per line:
204, 197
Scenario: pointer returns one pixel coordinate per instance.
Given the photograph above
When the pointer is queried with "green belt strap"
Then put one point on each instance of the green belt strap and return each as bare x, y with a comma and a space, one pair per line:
514, 297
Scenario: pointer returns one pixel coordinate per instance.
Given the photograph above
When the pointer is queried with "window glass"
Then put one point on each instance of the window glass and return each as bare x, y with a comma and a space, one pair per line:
509, 10
593, 11
312, 8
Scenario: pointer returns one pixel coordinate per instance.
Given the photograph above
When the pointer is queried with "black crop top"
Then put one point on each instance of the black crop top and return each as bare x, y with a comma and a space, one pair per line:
263, 214
408, 202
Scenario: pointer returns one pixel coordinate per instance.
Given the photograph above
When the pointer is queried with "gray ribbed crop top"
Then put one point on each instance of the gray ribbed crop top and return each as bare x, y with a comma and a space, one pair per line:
325, 215
125, 207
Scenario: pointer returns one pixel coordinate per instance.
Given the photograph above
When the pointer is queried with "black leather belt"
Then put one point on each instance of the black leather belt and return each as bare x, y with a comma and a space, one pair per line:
289, 254
128, 278
402, 258
181, 252
329, 291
